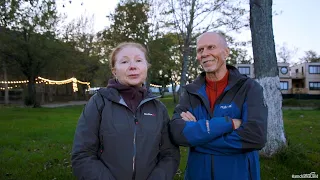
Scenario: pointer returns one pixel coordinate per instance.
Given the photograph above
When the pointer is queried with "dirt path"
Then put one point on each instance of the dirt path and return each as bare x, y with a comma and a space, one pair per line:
70, 103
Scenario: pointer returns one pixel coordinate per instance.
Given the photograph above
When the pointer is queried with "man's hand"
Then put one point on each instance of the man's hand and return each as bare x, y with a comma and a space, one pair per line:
236, 123
187, 116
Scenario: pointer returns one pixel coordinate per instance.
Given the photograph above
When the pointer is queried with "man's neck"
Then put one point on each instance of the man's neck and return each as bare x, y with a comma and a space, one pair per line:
217, 75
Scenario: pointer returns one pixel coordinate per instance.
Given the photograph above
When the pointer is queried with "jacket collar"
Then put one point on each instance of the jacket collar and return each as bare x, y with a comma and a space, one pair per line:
234, 77
113, 95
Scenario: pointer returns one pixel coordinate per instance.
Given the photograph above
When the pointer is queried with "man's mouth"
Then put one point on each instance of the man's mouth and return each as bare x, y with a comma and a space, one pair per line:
205, 61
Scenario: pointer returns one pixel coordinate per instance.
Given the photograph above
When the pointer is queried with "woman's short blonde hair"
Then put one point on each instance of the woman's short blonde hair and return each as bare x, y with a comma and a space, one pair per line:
117, 49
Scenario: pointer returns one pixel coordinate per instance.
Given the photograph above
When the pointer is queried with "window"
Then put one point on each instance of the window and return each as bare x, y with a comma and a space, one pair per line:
284, 85
313, 69
297, 70
284, 70
314, 85
244, 70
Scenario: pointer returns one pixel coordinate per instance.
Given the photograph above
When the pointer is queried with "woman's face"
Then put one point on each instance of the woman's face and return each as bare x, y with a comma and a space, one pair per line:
130, 66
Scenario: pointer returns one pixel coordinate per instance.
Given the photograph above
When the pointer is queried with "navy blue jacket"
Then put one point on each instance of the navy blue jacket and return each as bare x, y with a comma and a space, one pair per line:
216, 150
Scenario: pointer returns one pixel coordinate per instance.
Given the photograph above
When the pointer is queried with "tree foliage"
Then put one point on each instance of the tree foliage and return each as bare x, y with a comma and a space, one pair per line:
28, 30
310, 56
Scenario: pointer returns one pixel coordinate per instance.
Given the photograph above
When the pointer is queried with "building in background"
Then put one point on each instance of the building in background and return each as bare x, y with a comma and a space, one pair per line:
301, 79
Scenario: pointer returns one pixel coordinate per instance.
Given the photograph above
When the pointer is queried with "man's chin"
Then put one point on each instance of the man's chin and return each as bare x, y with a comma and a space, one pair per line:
210, 70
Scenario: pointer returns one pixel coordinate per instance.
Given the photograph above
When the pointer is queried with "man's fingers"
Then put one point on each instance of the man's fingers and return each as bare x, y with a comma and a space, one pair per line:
187, 116
191, 116
236, 123
184, 116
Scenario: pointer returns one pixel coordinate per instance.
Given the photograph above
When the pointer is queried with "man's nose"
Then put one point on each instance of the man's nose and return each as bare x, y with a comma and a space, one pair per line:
204, 53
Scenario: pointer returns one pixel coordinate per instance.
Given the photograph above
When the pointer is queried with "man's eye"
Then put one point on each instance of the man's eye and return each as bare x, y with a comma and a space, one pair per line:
200, 50
211, 47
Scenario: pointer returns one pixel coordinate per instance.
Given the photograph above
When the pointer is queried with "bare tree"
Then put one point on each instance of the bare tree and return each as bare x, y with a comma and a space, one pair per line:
285, 54
266, 72
189, 18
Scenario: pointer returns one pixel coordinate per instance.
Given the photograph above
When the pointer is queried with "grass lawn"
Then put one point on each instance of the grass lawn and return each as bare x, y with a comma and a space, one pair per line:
36, 144
301, 103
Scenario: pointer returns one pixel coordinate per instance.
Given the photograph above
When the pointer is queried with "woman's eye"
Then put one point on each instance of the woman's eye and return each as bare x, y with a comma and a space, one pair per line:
139, 60
123, 62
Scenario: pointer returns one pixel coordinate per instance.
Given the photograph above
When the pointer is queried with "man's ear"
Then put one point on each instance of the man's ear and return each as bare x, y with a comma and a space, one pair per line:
226, 53
113, 72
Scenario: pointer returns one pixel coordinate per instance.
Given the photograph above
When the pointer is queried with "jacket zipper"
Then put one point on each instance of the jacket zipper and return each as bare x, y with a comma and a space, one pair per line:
101, 147
136, 122
134, 148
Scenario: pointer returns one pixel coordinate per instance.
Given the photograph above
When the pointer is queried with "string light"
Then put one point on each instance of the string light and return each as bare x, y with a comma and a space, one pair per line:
13, 82
158, 86
67, 81
2, 88
86, 83
39, 79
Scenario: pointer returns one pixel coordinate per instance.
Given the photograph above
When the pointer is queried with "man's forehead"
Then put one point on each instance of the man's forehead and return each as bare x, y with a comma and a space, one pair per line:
209, 39
205, 45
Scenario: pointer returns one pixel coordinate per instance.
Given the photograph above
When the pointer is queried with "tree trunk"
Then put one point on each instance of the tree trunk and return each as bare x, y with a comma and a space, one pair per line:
31, 98
43, 91
186, 46
185, 62
173, 87
50, 92
266, 72
6, 91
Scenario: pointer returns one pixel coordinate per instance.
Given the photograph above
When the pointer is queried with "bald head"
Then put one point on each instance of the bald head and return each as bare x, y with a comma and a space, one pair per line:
214, 35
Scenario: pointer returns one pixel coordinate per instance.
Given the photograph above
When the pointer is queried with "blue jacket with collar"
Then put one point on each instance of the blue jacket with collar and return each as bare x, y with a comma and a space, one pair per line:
216, 150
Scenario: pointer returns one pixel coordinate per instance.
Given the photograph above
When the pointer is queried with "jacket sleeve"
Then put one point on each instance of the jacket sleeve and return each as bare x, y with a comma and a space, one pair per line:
169, 156
252, 133
186, 133
84, 156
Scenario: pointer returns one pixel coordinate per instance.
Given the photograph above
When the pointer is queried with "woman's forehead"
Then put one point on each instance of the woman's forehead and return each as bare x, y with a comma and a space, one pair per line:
130, 51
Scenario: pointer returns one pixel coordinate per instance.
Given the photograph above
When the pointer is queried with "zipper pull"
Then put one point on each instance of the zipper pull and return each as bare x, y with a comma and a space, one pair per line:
136, 120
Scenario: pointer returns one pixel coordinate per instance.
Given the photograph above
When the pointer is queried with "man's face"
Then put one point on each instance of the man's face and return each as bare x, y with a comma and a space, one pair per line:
211, 52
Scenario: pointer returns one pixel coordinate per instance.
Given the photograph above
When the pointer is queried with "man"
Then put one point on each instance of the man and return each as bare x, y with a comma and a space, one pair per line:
221, 117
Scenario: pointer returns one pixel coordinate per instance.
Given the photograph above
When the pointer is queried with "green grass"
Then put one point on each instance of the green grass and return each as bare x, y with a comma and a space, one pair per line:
36, 143
303, 153
302, 103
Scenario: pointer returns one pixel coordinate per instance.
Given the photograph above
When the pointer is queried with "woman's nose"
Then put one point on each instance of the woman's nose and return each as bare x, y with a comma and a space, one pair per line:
132, 64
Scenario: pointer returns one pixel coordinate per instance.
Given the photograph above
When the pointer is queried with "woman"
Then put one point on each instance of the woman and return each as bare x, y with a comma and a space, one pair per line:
122, 132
